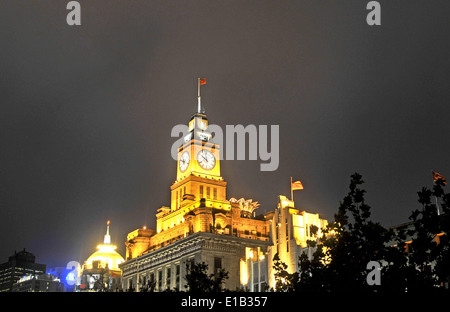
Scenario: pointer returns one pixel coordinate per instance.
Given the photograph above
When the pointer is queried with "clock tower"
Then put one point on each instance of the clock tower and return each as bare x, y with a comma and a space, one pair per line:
198, 166
198, 154
199, 224
198, 182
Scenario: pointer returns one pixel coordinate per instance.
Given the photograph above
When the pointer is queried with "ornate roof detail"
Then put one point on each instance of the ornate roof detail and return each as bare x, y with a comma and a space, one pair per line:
247, 206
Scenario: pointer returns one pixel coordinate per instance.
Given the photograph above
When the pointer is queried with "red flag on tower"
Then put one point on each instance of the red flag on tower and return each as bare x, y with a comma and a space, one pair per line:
201, 81
297, 185
437, 176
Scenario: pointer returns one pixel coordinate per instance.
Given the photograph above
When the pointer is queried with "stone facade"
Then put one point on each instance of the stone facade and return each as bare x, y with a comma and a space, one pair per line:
166, 266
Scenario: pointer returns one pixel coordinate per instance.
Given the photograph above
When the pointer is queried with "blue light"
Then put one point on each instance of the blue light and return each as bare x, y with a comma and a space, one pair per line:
70, 277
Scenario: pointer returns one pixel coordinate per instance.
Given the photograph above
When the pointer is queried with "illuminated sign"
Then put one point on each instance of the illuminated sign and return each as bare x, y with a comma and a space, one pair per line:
70, 277
25, 278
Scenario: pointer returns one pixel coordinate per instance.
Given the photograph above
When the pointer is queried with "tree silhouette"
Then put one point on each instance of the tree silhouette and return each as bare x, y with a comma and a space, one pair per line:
429, 250
284, 281
198, 280
353, 242
413, 258
149, 286
343, 251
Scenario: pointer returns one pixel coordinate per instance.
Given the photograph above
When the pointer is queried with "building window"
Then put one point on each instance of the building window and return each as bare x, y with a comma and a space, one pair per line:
190, 264
215, 193
151, 278
177, 277
259, 274
208, 192
255, 274
217, 264
160, 280
130, 284
201, 191
168, 276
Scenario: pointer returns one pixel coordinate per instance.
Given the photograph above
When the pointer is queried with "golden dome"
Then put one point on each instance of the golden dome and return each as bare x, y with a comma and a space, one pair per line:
106, 255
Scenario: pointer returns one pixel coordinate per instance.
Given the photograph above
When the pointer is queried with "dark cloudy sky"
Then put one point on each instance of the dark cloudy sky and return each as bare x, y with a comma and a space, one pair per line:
86, 112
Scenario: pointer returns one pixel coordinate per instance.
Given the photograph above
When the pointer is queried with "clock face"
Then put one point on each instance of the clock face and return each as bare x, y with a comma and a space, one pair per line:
206, 159
184, 161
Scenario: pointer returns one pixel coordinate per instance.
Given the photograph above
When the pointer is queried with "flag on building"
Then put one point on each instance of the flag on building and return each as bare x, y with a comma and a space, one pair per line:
202, 81
297, 185
437, 176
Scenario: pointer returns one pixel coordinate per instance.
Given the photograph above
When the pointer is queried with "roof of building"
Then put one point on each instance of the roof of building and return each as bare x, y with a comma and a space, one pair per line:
106, 254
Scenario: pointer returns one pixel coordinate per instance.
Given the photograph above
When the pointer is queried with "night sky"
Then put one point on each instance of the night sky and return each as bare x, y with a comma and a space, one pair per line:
87, 111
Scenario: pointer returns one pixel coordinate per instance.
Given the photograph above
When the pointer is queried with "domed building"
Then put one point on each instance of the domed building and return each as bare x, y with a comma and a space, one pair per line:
101, 272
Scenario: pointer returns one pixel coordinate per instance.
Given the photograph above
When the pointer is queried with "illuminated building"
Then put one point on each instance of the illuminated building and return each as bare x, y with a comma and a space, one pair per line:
101, 271
201, 225
39, 283
291, 228
20, 264
67, 276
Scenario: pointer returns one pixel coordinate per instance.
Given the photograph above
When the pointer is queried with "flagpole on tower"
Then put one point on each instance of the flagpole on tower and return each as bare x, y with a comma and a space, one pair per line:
292, 193
435, 198
199, 110
297, 185
437, 176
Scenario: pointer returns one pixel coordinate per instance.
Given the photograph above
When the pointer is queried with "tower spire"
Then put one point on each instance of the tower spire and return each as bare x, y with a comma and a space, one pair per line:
201, 81
107, 239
